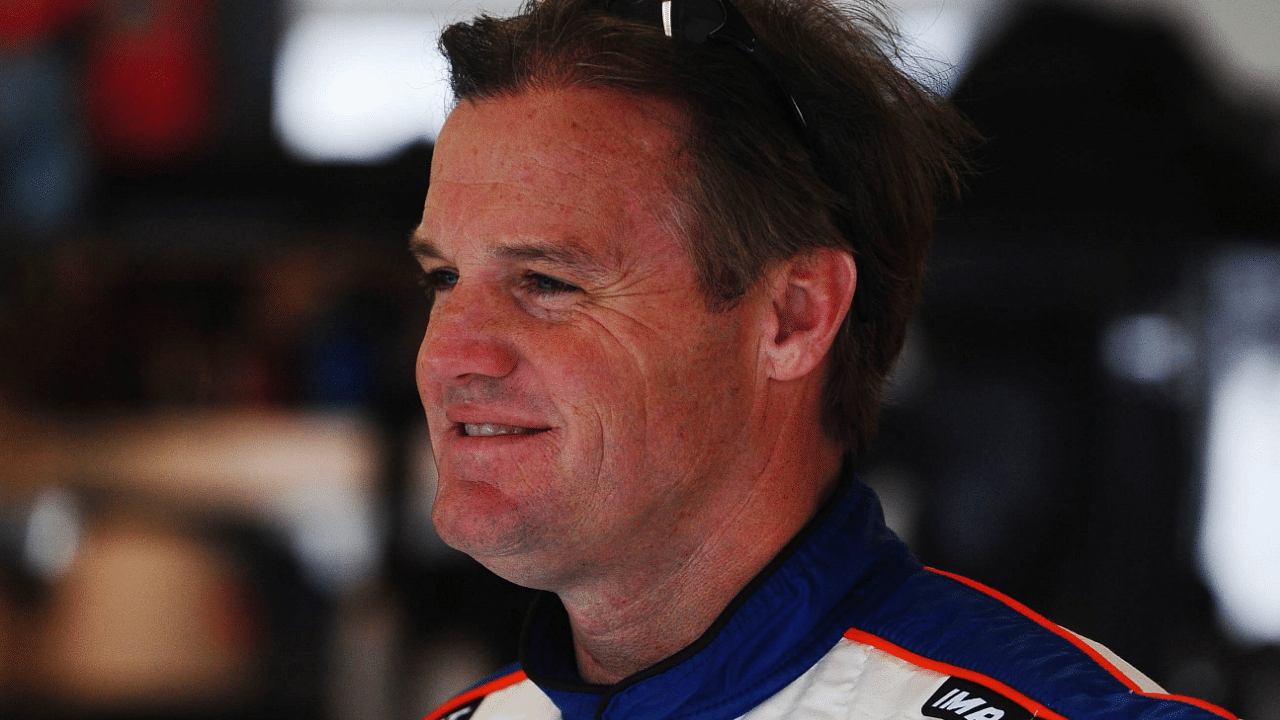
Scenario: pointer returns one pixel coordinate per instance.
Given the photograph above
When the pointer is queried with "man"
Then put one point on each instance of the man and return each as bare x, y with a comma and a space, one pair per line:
671, 251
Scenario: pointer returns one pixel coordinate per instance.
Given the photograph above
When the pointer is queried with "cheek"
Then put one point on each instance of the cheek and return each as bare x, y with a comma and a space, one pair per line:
707, 383
578, 363
598, 382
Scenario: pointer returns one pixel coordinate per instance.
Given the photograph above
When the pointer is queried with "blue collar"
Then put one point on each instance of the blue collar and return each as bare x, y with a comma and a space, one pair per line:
837, 569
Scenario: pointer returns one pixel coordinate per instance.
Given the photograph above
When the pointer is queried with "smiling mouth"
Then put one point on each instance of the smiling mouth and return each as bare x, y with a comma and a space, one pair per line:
493, 429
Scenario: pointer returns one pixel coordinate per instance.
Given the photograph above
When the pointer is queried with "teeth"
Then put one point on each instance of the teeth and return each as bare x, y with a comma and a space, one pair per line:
490, 429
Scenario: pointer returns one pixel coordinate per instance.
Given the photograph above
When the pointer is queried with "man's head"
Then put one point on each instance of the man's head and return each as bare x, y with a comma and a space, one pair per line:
641, 274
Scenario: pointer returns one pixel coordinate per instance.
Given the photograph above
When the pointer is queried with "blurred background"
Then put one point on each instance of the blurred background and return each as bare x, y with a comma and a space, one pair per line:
215, 481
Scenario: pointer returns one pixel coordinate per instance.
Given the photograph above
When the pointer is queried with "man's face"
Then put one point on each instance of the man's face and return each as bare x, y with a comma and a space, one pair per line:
584, 405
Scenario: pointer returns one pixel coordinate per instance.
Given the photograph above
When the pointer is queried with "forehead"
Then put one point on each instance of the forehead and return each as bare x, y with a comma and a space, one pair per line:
575, 165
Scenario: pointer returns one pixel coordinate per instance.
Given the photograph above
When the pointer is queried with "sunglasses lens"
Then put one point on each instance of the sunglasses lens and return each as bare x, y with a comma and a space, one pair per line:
698, 19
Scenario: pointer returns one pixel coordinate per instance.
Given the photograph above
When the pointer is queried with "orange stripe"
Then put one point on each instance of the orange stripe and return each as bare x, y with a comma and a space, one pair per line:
1046, 624
490, 687
1036, 708
1076, 641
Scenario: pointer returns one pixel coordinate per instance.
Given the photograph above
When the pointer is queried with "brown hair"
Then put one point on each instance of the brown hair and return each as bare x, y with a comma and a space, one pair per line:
862, 178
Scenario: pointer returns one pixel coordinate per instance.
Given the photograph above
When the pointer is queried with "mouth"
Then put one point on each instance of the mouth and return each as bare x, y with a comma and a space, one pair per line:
494, 430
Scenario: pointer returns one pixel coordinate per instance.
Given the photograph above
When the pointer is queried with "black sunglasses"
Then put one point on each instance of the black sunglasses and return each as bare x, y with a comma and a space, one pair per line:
701, 21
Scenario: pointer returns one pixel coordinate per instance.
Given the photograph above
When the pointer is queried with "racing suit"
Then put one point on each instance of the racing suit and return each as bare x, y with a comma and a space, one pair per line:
843, 624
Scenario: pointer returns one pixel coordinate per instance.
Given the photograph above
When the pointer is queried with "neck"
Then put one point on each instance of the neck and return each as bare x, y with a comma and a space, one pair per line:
624, 622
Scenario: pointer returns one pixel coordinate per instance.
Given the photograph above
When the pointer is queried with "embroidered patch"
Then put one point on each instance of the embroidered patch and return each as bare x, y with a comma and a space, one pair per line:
961, 699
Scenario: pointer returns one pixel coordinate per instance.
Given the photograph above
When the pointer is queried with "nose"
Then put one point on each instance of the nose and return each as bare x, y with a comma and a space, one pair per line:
466, 338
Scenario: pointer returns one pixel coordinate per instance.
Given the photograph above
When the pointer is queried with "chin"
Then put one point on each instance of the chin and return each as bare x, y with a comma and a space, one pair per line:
479, 521
499, 539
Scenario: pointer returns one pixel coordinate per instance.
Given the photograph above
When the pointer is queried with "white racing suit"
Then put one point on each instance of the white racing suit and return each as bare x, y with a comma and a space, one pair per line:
844, 624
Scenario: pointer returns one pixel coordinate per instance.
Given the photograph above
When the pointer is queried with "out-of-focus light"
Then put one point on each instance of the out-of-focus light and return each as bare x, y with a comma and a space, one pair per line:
53, 534
310, 476
1239, 542
1239, 536
936, 46
359, 87
1147, 348
338, 539
899, 493
912, 371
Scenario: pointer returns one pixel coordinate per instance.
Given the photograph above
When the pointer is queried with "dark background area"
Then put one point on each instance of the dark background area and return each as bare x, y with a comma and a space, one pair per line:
161, 256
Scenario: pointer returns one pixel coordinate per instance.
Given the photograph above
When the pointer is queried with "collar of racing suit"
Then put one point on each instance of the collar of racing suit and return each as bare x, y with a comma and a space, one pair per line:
842, 564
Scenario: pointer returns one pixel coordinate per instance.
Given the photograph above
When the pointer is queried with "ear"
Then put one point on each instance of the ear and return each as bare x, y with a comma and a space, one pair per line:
810, 296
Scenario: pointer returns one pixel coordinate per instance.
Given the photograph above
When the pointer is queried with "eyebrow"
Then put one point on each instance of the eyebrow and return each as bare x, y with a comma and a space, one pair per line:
421, 248
563, 253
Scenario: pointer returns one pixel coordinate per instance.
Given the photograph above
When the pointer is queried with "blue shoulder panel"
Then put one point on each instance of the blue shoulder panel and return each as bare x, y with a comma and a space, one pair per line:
959, 624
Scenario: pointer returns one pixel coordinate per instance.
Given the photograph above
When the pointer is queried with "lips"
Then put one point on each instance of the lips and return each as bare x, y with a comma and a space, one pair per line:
495, 429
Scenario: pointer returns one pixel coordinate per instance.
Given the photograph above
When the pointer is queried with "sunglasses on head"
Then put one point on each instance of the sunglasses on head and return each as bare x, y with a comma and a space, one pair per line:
703, 21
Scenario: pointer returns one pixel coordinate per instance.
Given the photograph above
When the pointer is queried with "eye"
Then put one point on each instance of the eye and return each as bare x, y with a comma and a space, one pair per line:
438, 279
541, 284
